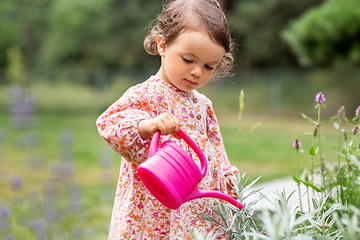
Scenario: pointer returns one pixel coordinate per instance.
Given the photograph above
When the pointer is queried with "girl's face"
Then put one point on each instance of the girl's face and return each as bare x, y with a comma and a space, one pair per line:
188, 62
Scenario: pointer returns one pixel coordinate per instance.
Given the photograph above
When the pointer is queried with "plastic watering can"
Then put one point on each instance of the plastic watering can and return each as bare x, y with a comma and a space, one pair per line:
172, 176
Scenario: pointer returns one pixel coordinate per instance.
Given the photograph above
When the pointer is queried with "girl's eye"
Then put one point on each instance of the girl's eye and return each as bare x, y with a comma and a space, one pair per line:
208, 67
187, 60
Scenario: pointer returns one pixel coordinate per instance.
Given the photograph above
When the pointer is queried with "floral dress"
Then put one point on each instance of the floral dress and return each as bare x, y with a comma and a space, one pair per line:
136, 213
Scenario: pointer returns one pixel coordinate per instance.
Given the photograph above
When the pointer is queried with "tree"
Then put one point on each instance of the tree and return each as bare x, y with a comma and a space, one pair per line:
327, 35
98, 34
257, 26
22, 25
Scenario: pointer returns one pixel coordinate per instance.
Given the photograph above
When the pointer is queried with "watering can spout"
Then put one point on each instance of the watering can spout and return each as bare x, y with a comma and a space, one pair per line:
196, 193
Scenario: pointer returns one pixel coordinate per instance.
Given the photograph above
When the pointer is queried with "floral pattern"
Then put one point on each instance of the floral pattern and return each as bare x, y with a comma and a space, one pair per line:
136, 213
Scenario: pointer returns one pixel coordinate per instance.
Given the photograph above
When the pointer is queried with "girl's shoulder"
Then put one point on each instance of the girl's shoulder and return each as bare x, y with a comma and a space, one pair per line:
201, 97
148, 88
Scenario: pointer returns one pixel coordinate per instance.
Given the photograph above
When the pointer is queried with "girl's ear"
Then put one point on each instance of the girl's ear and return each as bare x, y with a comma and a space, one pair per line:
161, 46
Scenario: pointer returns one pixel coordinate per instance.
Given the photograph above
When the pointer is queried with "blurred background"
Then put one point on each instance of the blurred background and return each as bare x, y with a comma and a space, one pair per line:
63, 62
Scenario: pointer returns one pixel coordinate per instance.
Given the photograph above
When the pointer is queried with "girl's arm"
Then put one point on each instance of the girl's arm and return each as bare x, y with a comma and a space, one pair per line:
128, 123
118, 125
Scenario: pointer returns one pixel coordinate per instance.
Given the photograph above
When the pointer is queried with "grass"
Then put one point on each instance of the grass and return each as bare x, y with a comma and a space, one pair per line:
70, 108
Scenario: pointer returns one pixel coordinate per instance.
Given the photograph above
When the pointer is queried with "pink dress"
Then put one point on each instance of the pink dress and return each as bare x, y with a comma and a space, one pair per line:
136, 213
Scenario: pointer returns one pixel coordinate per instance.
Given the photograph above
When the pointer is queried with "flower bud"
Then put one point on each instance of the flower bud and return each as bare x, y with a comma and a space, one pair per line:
297, 144
315, 131
357, 111
341, 111
355, 129
320, 98
322, 166
345, 135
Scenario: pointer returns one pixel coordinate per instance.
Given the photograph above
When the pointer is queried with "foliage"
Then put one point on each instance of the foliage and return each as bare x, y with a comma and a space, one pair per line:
91, 34
257, 25
77, 34
335, 201
327, 35
97, 34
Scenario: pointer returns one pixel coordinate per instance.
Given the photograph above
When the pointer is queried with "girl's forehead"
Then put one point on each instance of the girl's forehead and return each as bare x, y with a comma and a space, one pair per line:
198, 44
195, 38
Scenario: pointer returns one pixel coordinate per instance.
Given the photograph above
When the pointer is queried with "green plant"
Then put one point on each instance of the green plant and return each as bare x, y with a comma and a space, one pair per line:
241, 221
335, 201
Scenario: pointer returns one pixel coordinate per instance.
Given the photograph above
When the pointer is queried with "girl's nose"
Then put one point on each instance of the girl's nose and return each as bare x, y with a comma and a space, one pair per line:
196, 71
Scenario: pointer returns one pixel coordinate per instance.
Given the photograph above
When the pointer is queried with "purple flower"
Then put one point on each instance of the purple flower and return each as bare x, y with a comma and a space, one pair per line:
341, 111
16, 183
9, 237
38, 227
5, 213
357, 111
355, 129
320, 98
297, 144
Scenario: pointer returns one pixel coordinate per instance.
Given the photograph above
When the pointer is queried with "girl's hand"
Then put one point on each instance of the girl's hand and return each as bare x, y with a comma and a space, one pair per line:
229, 186
166, 123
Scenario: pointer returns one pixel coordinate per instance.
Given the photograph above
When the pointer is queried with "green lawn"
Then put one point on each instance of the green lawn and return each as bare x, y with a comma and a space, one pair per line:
263, 152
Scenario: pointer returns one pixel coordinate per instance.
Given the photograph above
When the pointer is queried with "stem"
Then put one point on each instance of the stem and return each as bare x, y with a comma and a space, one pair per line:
319, 132
297, 154
319, 135
345, 198
339, 159
308, 196
312, 163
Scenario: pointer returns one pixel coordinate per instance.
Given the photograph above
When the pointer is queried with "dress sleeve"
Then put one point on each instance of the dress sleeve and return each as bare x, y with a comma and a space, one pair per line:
214, 135
118, 125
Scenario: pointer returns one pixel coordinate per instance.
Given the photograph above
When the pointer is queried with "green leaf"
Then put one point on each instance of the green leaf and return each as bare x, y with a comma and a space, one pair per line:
355, 118
296, 179
312, 151
334, 117
351, 143
309, 119
345, 118
340, 154
309, 184
345, 151
302, 173
326, 122
354, 160
255, 126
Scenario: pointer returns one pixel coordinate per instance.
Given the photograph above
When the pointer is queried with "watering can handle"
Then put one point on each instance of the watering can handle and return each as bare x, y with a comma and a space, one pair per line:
155, 142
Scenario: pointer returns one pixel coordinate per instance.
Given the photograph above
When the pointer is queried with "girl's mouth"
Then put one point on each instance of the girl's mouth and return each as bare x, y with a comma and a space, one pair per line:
191, 83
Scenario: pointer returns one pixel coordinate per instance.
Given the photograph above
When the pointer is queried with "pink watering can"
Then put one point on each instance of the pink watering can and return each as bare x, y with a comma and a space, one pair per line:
172, 176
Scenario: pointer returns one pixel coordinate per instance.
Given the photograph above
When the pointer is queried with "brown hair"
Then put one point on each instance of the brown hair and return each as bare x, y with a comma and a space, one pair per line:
179, 16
